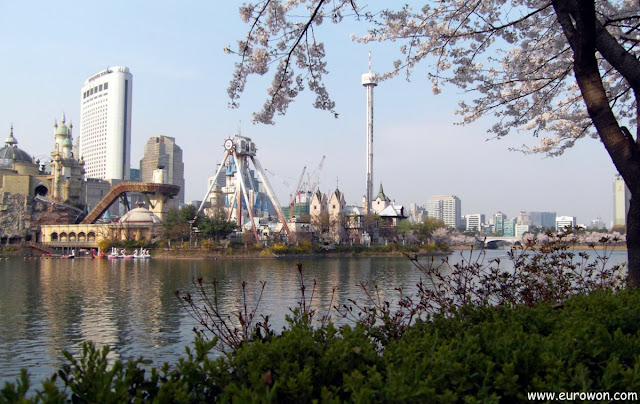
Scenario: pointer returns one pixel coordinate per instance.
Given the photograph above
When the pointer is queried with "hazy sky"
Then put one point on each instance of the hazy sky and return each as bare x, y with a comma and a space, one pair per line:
180, 76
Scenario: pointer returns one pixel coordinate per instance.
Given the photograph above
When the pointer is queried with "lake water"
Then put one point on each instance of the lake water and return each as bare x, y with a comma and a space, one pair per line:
47, 305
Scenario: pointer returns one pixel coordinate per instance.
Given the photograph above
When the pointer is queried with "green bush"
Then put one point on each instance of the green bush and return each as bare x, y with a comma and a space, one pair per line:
479, 354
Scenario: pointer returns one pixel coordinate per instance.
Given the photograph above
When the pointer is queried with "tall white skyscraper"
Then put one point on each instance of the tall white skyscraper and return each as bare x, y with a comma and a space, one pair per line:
105, 124
445, 207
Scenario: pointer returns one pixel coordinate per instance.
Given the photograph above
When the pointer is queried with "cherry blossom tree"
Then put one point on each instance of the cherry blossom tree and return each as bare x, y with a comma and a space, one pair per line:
561, 70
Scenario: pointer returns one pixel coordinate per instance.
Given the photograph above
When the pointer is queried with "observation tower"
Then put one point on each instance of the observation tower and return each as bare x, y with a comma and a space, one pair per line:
369, 81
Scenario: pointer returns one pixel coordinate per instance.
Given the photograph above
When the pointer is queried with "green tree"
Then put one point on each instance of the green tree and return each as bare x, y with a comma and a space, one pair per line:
404, 228
187, 213
176, 223
560, 69
425, 229
215, 228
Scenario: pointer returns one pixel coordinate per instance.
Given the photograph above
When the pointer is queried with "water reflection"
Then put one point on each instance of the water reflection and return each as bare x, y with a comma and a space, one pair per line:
50, 305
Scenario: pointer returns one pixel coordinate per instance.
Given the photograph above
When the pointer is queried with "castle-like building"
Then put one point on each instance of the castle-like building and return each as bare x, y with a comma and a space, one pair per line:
350, 224
30, 188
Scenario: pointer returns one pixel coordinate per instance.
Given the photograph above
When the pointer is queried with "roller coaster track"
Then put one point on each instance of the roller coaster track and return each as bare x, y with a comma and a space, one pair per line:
42, 248
123, 188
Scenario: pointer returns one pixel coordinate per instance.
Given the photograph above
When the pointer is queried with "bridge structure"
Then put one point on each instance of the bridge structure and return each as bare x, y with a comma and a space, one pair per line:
155, 194
488, 241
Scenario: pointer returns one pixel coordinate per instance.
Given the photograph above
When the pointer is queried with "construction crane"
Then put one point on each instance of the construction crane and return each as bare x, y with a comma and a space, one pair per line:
282, 179
316, 176
298, 188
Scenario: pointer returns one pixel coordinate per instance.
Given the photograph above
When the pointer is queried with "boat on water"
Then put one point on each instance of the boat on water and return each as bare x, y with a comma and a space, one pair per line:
97, 254
114, 254
125, 256
142, 253
122, 254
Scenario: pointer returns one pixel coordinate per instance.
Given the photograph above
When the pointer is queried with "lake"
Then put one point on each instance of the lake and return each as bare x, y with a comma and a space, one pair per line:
47, 305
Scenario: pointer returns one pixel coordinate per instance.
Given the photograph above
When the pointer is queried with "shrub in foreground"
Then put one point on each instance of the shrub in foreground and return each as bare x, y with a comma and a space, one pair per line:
477, 354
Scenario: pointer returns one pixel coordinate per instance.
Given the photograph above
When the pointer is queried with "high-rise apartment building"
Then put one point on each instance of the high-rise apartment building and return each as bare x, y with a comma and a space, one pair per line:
105, 124
162, 151
621, 199
445, 207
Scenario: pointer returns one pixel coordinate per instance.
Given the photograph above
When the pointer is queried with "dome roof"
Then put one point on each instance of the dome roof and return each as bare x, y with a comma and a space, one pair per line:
140, 216
62, 129
10, 152
66, 143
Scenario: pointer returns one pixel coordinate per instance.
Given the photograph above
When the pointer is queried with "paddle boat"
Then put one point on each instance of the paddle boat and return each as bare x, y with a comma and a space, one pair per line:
142, 253
114, 254
125, 256
97, 254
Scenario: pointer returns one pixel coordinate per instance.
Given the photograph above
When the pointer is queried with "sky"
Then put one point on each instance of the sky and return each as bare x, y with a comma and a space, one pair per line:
180, 76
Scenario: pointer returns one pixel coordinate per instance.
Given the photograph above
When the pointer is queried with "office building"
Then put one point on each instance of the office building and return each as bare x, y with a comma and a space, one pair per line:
498, 221
521, 229
565, 221
621, 199
509, 227
105, 124
134, 174
474, 221
417, 213
524, 218
446, 208
543, 220
162, 151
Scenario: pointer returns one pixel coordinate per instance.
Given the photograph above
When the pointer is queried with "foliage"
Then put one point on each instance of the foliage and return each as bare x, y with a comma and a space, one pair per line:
480, 354
425, 229
215, 228
178, 223
549, 271
231, 329
175, 227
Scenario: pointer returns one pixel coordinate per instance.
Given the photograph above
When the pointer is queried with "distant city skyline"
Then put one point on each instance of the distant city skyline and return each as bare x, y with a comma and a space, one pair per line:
181, 79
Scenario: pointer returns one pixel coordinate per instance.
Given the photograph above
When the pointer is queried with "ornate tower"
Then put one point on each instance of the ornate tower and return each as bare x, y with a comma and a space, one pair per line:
66, 171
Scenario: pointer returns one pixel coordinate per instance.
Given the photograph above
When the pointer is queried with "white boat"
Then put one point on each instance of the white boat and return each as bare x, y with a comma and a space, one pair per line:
142, 253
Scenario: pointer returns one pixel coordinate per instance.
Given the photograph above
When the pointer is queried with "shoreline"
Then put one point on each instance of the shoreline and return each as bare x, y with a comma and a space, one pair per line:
177, 254
198, 254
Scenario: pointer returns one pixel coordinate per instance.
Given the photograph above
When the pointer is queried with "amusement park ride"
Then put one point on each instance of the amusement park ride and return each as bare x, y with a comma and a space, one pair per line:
243, 150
